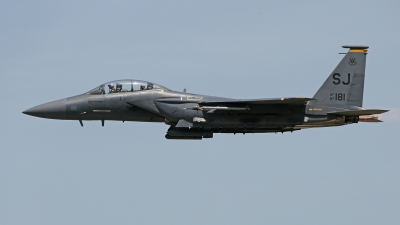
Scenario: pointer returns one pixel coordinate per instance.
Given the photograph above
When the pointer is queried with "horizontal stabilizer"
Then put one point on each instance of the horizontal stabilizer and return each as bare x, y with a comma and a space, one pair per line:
365, 112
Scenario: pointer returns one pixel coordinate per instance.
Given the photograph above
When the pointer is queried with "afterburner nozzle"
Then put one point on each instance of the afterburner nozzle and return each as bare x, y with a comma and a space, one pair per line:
369, 119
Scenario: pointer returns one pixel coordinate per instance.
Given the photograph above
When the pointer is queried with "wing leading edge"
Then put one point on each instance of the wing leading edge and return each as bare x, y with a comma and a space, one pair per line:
263, 101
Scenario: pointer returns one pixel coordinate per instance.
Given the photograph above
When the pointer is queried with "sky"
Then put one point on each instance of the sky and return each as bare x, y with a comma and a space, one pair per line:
57, 172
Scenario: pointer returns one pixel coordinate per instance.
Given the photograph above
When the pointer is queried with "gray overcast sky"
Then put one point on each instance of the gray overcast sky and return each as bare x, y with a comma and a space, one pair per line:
56, 172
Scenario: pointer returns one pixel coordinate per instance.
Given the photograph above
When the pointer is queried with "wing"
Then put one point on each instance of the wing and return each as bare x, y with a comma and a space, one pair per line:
263, 101
244, 105
211, 105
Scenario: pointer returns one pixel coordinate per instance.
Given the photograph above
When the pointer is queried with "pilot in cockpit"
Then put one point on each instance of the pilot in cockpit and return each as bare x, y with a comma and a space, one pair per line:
118, 87
149, 86
111, 87
142, 87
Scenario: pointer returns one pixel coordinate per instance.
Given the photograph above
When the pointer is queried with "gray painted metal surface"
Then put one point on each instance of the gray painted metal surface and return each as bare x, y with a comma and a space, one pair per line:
193, 117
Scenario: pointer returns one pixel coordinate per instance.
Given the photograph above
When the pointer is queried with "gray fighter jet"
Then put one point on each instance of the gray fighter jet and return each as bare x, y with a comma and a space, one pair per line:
192, 116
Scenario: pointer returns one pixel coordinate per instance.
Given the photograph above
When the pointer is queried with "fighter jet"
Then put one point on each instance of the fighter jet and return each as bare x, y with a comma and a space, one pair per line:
194, 117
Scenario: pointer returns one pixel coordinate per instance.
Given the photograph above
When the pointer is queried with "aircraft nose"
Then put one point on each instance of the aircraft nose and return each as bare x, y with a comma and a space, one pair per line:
50, 110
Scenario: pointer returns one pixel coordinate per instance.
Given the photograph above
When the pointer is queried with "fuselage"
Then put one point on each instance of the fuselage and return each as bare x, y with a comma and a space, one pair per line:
164, 105
191, 116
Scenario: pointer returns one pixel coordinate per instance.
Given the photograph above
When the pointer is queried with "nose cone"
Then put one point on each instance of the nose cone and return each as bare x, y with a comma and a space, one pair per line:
50, 110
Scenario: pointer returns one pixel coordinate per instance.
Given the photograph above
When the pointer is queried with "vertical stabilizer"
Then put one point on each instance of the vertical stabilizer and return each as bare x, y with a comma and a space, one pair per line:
345, 85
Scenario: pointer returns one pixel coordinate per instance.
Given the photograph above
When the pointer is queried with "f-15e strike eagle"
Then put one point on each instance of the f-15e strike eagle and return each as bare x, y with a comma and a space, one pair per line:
191, 116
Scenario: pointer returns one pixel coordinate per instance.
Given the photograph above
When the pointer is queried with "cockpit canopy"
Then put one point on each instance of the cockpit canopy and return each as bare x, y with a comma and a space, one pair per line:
120, 86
